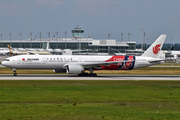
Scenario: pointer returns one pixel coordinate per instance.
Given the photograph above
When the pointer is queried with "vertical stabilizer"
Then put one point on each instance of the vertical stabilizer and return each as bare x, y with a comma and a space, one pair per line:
154, 49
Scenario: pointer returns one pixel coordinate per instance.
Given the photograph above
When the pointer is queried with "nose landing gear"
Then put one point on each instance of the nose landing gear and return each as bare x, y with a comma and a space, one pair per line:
15, 74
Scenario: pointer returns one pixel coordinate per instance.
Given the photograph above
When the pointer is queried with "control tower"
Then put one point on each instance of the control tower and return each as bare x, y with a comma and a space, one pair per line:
77, 32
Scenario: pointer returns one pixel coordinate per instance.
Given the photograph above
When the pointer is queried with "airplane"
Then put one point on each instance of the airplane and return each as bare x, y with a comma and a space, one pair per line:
78, 64
18, 52
3, 51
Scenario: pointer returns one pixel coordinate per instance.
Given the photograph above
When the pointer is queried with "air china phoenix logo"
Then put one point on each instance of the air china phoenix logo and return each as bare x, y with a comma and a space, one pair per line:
156, 49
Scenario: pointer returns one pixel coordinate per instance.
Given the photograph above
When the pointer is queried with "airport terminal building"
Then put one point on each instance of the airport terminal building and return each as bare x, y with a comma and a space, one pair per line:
76, 43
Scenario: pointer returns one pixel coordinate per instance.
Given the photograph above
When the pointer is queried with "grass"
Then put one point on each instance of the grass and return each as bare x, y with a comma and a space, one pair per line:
79, 100
141, 71
169, 64
145, 71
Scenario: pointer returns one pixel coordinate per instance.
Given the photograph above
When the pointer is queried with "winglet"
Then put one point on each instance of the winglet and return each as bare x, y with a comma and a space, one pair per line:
154, 49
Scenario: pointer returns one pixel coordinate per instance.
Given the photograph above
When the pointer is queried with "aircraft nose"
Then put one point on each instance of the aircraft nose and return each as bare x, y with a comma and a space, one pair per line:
2, 63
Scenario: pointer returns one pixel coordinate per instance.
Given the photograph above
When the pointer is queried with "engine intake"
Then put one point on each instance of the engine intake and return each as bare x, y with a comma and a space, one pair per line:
74, 69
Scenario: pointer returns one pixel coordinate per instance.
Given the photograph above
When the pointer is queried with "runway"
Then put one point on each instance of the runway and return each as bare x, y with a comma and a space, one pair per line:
99, 77
1, 66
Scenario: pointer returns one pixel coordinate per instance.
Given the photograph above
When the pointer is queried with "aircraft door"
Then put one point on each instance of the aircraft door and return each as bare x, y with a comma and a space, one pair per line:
80, 60
19, 61
44, 60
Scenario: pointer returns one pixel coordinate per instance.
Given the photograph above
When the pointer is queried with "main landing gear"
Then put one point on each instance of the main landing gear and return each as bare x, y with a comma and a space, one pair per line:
15, 74
88, 74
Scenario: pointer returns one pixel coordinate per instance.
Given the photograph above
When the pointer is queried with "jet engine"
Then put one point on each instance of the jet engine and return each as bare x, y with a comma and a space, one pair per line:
59, 70
74, 69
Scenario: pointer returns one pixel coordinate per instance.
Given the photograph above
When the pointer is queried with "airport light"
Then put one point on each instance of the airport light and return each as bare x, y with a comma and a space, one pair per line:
109, 39
48, 35
20, 39
57, 38
142, 38
109, 35
121, 37
1, 40
10, 38
80, 42
146, 43
40, 39
30, 39
65, 38
129, 36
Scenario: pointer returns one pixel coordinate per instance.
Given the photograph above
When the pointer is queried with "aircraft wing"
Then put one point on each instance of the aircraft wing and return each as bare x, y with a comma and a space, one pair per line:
154, 61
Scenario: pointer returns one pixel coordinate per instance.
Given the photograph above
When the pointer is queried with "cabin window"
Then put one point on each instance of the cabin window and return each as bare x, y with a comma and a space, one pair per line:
33, 59
7, 59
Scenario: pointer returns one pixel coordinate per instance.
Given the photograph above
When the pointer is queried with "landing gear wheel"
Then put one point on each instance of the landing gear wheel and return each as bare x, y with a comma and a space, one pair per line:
91, 73
87, 74
15, 74
94, 74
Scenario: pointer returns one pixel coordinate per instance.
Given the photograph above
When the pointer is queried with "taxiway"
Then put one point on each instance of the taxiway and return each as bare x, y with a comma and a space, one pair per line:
99, 77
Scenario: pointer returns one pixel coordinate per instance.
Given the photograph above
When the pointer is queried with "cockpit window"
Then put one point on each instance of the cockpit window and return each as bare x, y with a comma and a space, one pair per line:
7, 59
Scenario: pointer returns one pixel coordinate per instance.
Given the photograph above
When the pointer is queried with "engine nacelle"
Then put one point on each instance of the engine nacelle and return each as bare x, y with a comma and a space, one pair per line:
74, 69
59, 71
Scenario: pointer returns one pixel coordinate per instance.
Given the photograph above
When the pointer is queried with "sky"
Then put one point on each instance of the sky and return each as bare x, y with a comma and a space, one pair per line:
97, 17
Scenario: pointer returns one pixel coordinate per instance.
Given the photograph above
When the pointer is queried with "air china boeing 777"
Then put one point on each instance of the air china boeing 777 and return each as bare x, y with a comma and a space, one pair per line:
77, 64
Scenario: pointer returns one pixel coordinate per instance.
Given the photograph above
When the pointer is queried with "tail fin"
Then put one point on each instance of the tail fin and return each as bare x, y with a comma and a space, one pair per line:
153, 50
171, 48
10, 48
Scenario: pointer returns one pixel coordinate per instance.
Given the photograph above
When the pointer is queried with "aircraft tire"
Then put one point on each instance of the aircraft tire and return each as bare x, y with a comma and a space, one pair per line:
94, 74
87, 74
15, 74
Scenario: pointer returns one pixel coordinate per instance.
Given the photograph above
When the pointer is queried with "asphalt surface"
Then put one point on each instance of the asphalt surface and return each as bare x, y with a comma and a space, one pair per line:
2, 58
1, 66
99, 77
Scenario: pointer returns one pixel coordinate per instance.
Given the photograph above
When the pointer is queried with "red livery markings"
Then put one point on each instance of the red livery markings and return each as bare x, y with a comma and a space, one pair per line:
119, 66
156, 49
116, 58
128, 64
